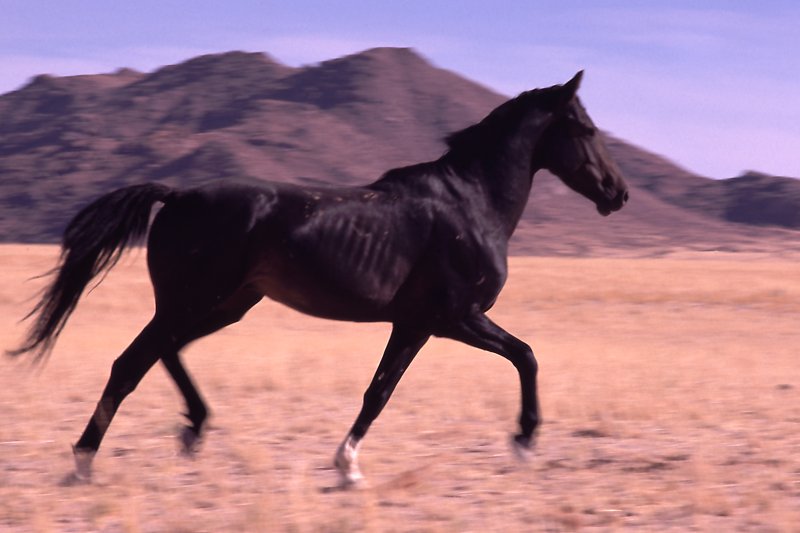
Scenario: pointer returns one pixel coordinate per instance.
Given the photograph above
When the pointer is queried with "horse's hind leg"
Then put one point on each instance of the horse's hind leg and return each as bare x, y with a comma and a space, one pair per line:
196, 410
229, 312
403, 346
157, 341
126, 373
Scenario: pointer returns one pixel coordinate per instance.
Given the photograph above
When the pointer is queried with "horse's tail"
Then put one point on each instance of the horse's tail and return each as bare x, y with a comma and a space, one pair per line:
93, 243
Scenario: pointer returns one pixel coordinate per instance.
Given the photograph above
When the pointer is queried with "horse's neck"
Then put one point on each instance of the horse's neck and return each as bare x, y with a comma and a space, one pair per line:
504, 177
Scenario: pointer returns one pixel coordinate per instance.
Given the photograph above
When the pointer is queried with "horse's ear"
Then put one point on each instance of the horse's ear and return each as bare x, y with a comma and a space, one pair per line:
570, 89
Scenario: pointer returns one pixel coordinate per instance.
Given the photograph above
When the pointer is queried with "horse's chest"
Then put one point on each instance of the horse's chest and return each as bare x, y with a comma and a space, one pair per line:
471, 270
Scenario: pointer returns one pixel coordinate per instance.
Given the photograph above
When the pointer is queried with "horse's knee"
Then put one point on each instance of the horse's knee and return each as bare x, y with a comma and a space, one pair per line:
524, 359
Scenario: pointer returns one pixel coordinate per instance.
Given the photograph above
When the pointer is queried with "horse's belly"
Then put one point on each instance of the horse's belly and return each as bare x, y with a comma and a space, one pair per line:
317, 296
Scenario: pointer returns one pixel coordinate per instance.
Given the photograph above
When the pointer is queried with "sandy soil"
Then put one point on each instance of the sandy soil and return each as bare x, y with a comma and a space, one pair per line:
670, 390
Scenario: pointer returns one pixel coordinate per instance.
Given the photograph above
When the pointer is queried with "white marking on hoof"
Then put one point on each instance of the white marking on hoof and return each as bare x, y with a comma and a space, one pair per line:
83, 465
346, 463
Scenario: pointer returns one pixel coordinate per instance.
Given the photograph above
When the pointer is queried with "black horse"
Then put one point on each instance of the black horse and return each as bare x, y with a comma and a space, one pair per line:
424, 247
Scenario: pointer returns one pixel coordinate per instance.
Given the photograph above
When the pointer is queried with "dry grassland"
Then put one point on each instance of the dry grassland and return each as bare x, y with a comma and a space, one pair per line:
670, 389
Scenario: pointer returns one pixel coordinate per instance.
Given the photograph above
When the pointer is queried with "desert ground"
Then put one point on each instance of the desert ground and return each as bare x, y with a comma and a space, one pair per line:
670, 390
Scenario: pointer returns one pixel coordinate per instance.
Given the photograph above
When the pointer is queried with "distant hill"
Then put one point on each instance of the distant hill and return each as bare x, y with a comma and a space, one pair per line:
65, 140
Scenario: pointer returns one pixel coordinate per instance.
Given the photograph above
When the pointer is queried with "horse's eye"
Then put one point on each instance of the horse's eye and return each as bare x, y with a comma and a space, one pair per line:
579, 128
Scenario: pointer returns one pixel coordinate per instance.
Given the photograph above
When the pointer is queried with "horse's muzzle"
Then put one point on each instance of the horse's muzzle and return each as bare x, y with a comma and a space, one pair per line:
616, 204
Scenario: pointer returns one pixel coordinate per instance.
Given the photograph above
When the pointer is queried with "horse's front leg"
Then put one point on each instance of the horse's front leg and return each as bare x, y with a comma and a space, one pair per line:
479, 331
403, 346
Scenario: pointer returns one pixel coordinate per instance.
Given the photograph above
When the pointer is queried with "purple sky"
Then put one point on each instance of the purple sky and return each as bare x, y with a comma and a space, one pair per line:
713, 85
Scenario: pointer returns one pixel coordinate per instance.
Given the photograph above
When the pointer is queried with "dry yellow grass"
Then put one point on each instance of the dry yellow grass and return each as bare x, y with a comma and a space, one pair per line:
670, 390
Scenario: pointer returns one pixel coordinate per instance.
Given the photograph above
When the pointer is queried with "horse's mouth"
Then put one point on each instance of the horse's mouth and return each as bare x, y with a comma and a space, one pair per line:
606, 208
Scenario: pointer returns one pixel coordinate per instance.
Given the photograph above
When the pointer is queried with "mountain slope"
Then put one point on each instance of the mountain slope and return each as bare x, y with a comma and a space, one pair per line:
245, 116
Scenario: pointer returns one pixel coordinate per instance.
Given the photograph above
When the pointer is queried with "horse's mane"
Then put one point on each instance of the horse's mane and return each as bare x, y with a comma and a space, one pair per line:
502, 119
480, 136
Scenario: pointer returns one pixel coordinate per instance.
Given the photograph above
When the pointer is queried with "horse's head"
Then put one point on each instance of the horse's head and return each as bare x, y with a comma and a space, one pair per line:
572, 148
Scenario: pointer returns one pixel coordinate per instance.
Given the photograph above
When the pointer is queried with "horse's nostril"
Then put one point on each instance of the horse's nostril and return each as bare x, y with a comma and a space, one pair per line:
619, 200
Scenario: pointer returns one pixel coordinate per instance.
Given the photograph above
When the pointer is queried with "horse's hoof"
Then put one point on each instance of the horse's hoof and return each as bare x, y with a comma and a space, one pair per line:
351, 480
522, 447
350, 476
346, 463
73, 479
83, 467
190, 441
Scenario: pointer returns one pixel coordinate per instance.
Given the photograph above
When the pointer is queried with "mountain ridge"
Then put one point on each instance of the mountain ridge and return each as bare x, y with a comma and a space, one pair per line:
345, 121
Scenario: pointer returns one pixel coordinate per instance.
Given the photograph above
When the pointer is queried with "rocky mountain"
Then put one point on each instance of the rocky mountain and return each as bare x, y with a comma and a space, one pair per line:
65, 140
